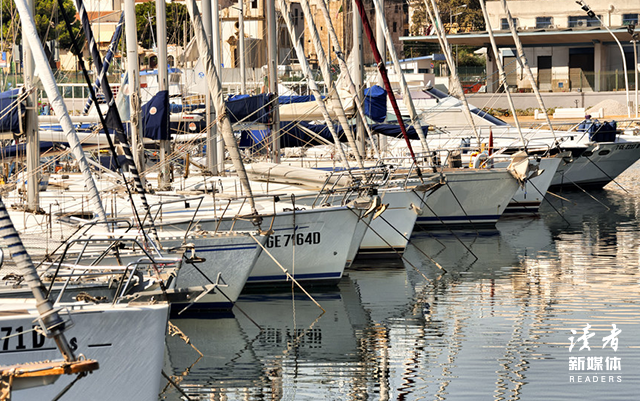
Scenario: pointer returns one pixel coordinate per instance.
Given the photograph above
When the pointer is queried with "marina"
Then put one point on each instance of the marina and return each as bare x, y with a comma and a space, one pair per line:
495, 328
261, 200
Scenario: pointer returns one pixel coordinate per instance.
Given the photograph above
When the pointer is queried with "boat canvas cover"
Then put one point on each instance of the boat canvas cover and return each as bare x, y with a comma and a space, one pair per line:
293, 134
393, 130
247, 108
296, 133
375, 103
255, 109
20, 149
156, 117
10, 114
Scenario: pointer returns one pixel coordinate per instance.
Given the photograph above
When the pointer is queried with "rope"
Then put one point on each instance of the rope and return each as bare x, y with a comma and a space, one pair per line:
68, 387
287, 273
174, 330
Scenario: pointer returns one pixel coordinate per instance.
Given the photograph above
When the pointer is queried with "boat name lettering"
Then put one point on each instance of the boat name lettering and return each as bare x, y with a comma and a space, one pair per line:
283, 240
627, 146
302, 338
17, 341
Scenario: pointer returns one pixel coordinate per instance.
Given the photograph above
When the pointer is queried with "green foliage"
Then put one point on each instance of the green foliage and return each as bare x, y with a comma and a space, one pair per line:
466, 57
177, 17
470, 17
49, 22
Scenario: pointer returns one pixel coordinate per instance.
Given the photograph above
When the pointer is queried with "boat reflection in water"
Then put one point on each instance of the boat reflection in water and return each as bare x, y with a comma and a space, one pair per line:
295, 343
496, 327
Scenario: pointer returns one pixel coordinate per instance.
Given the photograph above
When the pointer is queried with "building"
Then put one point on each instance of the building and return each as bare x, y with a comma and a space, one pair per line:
566, 48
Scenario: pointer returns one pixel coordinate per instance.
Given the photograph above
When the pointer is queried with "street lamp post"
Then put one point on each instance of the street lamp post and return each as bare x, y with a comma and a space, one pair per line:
634, 39
451, 15
591, 14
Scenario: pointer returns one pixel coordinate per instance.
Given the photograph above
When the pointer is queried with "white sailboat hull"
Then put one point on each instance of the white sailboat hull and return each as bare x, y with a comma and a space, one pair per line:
598, 165
312, 245
473, 198
390, 232
127, 341
231, 256
528, 199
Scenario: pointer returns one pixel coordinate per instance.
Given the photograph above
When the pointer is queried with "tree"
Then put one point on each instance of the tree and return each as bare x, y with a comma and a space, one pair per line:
49, 24
177, 17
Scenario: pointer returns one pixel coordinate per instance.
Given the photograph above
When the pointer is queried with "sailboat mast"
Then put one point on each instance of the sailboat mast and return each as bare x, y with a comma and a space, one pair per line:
503, 75
406, 94
163, 85
10, 240
217, 61
525, 66
336, 102
30, 32
241, 56
215, 88
358, 73
31, 128
133, 70
380, 44
344, 71
272, 54
383, 71
454, 79
211, 142
306, 72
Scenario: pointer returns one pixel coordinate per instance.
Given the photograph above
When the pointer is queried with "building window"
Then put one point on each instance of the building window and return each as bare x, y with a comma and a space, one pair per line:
543, 22
423, 70
629, 19
583, 21
295, 16
254, 3
395, 26
504, 24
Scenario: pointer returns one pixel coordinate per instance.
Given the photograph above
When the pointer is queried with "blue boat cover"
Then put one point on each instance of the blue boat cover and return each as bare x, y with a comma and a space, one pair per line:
292, 134
375, 103
249, 109
296, 134
394, 130
20, 149
296, 99
155, 117
9, 113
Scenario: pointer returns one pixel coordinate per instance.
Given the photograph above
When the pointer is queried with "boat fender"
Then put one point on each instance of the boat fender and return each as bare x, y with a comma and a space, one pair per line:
375, 204
380, 210
479, 160
416, 209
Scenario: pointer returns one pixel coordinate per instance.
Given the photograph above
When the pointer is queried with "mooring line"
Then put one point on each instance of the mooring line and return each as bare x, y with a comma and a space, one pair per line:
608, 176
286, 272
444, 224
397, 252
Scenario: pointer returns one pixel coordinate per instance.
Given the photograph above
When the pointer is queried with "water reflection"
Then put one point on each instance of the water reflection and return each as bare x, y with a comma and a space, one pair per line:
495, 327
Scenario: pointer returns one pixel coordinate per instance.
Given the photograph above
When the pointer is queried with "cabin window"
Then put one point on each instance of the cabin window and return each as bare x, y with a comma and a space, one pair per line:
629, 19
583, 21
543, 22
504, 24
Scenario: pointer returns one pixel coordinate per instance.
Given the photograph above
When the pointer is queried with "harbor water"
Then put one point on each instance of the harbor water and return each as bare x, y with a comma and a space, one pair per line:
546, 307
